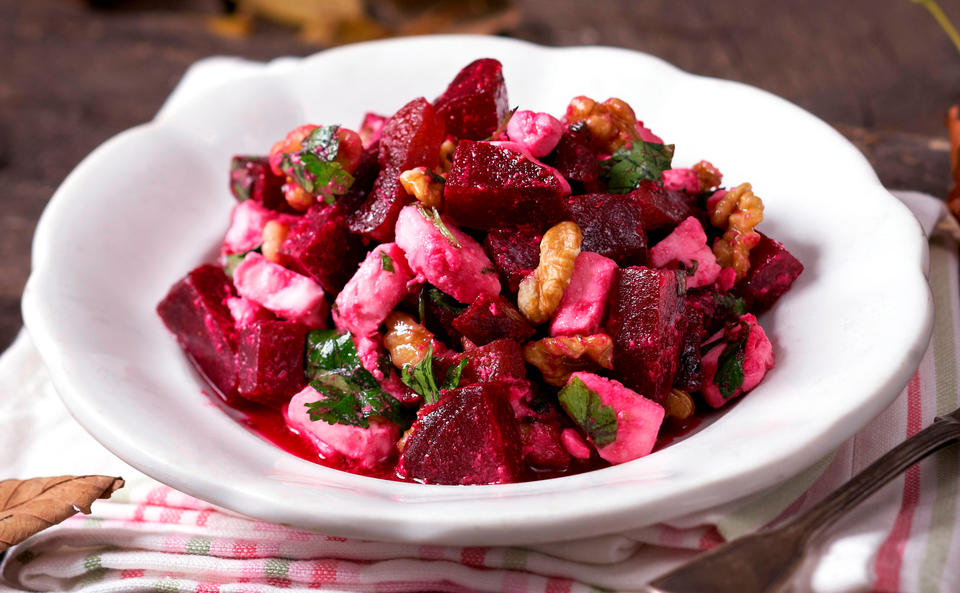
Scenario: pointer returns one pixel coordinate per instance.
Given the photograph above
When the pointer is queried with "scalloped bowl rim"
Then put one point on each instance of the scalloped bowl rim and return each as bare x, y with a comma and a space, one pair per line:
64, 319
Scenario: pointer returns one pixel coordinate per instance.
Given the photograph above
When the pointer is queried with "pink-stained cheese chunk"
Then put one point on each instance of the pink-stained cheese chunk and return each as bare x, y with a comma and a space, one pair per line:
381, 281
757, 360
646, 135
367, 448
574, 444
585, 300
245, 312
463, 272
687, 244
286, 293
638, 418
537, 132
681, 180
726, 279
370, 128
519, 148
246, 226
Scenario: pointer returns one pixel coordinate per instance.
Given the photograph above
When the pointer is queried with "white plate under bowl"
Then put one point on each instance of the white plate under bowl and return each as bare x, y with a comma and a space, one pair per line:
151, 203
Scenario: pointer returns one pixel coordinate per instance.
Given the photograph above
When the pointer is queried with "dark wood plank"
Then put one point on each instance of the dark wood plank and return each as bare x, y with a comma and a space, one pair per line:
71, 77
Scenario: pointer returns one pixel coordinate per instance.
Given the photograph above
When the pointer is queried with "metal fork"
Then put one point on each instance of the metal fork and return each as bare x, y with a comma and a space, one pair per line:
763, 562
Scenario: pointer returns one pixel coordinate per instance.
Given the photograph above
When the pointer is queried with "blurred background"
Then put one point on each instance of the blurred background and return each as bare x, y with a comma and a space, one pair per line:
74, 72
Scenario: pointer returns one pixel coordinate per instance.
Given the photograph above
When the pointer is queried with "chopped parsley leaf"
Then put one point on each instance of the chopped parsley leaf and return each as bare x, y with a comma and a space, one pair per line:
386, 262
584, 406
639, 161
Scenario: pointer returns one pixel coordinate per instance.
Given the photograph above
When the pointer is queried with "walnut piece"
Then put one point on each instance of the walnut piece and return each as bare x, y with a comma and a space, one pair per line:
611, 124
425, 186
559, 357
540, 292
708, 175
406, 340
739, 210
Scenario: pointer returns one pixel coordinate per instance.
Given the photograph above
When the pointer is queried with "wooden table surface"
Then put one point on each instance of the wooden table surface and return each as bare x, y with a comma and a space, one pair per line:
881, 71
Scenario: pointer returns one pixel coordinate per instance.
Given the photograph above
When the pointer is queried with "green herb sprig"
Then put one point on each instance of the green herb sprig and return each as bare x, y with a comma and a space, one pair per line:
351, 394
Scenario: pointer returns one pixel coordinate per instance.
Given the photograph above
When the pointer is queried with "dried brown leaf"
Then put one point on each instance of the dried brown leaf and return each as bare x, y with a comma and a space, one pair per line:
30, 506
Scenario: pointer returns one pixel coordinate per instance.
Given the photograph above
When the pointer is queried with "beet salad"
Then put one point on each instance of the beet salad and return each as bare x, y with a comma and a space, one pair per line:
465, 293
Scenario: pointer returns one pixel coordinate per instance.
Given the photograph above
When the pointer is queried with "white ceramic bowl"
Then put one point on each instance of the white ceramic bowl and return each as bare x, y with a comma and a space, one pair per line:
152, 203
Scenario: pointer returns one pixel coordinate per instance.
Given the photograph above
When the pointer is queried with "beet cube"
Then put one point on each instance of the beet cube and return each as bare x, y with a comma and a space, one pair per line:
689, 375
270, 361
320, 246
468, 437
475, 102
411, 138
377, 216
612, 225
576, 160
542, 447
514, 252
490, 187
661, 208
195, 311
646, 321
491, 317
499, 360
251, 178
772, 271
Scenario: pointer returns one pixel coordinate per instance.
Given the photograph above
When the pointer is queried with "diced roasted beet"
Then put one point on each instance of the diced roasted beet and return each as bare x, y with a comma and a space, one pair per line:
542, 447
491, 317
412, 137
515, 252
468, 437
195, 311
270, 361
475, 102
252, 179
499, 360
690, 365
612, 225
646, 322
491, 187
321, 247
576, 160
377, 216
772, 271
660, 208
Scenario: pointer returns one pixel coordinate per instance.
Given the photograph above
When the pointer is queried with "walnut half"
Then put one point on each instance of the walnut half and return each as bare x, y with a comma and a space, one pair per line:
739, 210
540, 292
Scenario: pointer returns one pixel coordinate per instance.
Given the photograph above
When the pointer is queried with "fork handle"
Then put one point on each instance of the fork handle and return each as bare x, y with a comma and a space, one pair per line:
944, 431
